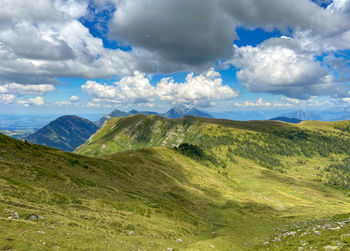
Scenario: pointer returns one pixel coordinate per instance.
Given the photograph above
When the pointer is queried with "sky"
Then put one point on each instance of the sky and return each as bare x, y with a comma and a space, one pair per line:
93, 56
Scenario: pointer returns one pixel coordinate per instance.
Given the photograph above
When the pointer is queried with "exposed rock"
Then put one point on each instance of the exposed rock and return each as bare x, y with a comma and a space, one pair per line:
179, 241
32, 217
129, 232
330, 247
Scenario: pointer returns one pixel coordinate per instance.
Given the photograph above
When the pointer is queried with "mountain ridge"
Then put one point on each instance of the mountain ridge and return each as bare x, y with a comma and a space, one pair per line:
175, 112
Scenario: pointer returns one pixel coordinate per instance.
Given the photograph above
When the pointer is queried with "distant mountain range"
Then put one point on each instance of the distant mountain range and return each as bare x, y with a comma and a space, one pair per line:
176, 112
65, 133
288, 120
334, 114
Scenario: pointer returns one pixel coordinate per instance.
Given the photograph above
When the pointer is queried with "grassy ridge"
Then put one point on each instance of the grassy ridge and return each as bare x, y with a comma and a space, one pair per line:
270, 144
148, 198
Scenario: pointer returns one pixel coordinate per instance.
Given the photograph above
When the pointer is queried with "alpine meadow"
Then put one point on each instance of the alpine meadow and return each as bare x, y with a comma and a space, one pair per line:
175, 125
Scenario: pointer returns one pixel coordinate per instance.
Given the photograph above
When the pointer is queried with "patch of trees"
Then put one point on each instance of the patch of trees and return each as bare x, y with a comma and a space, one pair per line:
192, 151
338, 174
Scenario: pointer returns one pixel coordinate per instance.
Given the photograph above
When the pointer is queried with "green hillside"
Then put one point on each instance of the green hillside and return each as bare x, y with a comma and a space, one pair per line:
147, 199
273, 145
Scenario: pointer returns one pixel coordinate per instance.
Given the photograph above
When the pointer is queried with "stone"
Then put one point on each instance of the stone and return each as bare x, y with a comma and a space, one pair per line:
179, 241
330, 247
129, 232
15, 215
32, 217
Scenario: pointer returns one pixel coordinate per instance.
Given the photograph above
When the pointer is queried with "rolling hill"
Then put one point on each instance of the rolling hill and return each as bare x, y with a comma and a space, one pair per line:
159, 198
264, 142
65, 133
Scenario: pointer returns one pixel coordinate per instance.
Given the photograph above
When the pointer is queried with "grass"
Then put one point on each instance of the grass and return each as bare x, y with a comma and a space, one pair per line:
148, 198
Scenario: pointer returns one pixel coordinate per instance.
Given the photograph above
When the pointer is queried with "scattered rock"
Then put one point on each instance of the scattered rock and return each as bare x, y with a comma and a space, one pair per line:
179, 241
212, 246
334, 228
15, 215
169, 249
41, 232
32, 217
330, 247
130, 232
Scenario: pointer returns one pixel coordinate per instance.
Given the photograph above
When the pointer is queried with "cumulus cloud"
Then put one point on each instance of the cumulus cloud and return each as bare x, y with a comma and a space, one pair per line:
197, 32
281, 66
74, 98
201, 90
7, 98
22, 89
39, 101
188, 32
270, 14
41, 40
261, 103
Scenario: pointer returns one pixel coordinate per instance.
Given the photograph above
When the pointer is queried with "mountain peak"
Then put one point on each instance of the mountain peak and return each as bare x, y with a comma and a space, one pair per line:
180, 111
65, 133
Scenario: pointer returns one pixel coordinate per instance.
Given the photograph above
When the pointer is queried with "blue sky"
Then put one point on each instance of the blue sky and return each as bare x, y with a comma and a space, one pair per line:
77, 56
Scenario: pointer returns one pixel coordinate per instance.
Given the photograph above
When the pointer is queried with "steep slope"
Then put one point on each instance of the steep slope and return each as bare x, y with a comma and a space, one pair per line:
182, 111
147, 199
65, 133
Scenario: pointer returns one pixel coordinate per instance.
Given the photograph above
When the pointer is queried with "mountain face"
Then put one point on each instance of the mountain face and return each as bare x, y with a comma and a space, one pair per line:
182, 111
288, 120
176, 112
65, 133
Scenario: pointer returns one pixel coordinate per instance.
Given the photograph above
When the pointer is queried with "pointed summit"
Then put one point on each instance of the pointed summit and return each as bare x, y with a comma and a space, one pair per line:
180, 111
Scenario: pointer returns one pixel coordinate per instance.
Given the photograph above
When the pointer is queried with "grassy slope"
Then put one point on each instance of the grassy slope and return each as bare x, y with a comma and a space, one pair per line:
158, 194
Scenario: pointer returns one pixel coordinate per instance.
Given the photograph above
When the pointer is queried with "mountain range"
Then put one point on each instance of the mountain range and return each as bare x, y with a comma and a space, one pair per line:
175, 112
189, 183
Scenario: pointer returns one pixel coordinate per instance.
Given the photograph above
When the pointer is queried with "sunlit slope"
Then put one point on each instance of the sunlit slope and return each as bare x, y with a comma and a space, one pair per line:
147, 199
270, 144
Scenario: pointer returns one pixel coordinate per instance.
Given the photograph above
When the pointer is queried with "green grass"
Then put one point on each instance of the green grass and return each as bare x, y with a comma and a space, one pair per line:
160, 195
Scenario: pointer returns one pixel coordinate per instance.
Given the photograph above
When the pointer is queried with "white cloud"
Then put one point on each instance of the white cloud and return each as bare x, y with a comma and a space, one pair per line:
22, 89
281, 66
347, 100
261, 103
62, 103
74, 98
39, 101
290, 100
7, 98
200, 90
